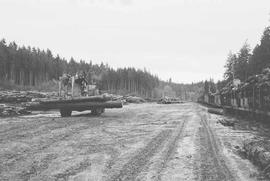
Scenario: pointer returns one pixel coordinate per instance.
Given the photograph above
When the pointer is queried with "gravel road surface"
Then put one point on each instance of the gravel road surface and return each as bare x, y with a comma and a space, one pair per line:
139, 142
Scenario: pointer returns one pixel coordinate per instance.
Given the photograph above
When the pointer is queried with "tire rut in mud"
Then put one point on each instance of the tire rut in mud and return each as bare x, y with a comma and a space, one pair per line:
169, 150
213, 166
136, 164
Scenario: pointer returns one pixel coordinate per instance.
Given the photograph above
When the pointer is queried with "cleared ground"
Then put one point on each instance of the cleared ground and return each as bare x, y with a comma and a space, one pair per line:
138, 142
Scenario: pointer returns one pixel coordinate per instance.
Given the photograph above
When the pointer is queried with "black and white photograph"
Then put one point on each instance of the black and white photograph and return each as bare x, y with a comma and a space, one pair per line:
134, 90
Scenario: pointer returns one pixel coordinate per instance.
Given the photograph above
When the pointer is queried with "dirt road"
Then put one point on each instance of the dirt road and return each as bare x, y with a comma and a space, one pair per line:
138, 142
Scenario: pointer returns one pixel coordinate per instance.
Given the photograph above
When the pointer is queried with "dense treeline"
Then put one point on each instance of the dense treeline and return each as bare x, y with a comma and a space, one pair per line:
28, 66
32, 66
189, 92
130, 80
246, 63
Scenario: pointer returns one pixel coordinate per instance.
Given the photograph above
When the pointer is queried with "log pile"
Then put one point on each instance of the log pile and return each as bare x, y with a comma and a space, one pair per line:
11, 102
101, 98
20, 96
126, 98
168, 100
134, 99
8, 110
21, 102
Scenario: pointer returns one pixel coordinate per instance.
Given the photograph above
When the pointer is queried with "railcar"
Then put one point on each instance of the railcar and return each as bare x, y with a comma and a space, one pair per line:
251, 96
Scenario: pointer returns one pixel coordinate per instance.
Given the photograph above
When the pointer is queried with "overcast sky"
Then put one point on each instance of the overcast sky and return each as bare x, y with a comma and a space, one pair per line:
187, 40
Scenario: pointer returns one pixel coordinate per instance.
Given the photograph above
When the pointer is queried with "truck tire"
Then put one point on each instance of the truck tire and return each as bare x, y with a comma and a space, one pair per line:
97, 111
65, 112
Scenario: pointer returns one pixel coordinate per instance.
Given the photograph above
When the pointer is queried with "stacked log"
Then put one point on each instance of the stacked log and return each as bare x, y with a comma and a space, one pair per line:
167, 100
19, 102
134, 99
19, 96
80, 103
11, 102
127, 98
101, 98
8, 110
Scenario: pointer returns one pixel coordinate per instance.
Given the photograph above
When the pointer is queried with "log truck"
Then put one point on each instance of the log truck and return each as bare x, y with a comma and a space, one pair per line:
75, 94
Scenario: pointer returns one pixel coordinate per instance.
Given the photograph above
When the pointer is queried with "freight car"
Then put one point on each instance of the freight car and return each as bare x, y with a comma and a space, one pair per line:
251, 96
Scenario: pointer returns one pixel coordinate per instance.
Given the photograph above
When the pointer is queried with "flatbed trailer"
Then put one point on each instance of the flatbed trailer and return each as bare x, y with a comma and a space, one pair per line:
97, 105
